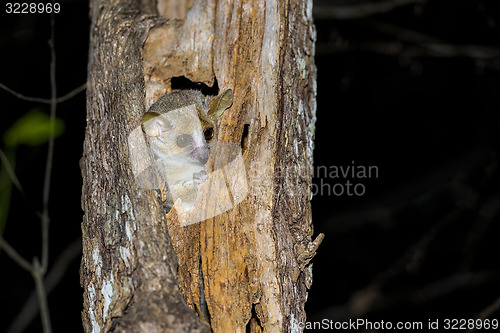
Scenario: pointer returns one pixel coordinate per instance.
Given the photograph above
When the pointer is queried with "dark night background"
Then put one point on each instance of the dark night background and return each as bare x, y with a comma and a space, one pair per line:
414, 91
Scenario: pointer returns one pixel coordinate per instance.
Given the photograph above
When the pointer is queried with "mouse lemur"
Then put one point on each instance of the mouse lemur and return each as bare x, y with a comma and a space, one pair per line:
180, 127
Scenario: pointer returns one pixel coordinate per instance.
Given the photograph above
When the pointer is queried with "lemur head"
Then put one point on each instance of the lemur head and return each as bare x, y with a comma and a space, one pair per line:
182, 124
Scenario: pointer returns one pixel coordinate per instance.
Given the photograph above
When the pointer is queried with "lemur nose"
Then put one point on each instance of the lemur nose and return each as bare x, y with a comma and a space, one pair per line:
201, 154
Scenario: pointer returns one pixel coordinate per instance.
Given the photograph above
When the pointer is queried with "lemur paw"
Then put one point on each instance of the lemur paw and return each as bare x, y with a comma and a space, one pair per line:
199, 178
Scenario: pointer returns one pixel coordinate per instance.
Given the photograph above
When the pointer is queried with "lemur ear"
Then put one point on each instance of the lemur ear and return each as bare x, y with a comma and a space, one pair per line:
154, 124
220, 103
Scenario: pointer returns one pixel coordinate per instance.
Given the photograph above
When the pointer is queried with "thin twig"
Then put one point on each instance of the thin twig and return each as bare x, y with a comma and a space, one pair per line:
38, 269
323, 10
417, 50
54, 276
434, 46
41, 269
38, 273
50, 153
491, 309
419, 296
69, 95
364, 299
10, 172
15, 256
12, 175
72, 93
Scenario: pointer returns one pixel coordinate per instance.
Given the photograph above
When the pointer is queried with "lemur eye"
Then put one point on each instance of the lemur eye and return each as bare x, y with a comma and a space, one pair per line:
184, 140
209, 133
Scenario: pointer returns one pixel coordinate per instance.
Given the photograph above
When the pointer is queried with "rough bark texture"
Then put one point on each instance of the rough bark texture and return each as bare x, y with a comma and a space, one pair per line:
143, 272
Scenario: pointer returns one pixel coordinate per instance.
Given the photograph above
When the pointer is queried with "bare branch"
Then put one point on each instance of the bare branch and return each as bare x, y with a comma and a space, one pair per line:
396, 48
323, 10
15, 256
414, 44
64, 98
50, 153
72, 93
54, 276
489, 310
378, 301
365, 299
38, 269
10, 172
485, 219
423, 45
433, 45
38, 273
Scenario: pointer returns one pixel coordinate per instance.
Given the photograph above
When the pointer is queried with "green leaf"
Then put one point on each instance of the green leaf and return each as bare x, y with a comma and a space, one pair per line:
32, 129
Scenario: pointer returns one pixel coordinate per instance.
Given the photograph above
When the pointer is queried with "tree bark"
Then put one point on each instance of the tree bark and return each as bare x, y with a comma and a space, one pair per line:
249, 267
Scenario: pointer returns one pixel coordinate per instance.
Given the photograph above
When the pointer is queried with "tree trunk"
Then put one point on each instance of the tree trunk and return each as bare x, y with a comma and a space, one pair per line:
247, 268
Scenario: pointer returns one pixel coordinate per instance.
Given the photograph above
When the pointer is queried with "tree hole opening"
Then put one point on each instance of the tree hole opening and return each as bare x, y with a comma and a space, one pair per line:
244, 137
183, 83
253, 322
